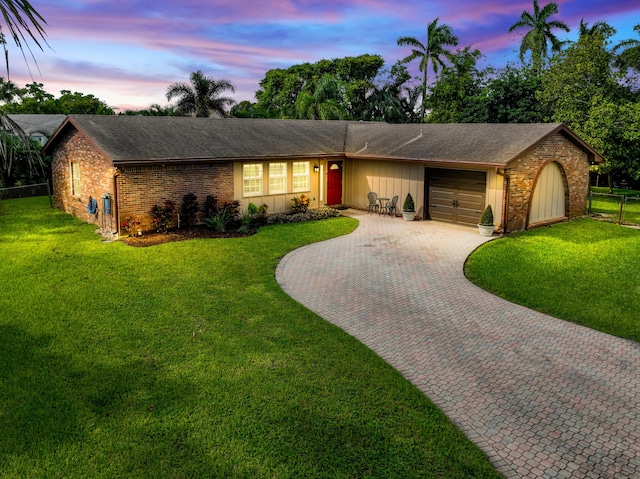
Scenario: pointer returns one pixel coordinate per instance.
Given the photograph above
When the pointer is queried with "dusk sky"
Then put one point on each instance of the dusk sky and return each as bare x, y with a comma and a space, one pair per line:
128, 52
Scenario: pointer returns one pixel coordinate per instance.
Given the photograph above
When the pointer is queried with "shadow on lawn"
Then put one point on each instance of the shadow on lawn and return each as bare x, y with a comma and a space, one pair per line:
55, 414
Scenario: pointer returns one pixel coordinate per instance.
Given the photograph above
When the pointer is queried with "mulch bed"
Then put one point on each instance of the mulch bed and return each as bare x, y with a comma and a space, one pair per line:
152, 239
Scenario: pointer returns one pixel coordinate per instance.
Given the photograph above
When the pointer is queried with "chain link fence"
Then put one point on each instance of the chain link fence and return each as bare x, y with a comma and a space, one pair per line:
622, 209
27, 191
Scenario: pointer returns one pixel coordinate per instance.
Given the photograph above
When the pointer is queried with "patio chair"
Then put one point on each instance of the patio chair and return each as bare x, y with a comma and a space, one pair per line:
391, 207
373, 201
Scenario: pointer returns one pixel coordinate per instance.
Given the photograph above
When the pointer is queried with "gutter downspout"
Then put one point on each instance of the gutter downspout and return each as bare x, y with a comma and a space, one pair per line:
115, 204
505, 198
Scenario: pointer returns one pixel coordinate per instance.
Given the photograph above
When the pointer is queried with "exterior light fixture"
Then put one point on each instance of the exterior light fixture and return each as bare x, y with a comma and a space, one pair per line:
316, 168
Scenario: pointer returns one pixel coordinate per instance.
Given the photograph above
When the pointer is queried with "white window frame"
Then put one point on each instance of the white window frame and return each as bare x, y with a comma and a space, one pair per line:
277, 178
76, 183
252, 180
300, 181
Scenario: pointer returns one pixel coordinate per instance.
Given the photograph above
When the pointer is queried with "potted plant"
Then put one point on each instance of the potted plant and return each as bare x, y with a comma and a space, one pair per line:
408, 209
486, 222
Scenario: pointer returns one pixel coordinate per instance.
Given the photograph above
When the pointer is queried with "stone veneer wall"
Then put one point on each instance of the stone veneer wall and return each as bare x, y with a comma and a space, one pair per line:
524, 171
96, 175
141, 187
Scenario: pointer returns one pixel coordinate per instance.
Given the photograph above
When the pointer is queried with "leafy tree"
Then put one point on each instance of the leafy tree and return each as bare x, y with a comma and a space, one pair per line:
280, 88
538, 37
629, 56
458, 85
34, 99
391, 100
508, 97
582, 90
431, 51
247, 109
8, 90
202, 96
154, 110
325, 103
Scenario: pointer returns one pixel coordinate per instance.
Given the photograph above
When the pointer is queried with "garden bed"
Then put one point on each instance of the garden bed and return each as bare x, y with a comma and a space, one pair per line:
196, 232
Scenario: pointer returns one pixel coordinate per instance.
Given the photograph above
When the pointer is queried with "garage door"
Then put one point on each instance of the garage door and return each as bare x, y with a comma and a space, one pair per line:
456, 196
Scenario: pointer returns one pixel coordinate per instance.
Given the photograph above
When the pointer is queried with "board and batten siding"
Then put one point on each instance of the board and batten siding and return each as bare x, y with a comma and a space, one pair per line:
387, 179
549, 196
495, 195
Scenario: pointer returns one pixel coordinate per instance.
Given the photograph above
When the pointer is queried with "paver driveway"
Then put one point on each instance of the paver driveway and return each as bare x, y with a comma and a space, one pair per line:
542, 397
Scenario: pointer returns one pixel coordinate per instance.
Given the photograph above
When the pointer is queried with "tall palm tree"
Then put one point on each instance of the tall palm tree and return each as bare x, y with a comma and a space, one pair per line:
629, 57
600, 27
536, 40
202, 96
432, 51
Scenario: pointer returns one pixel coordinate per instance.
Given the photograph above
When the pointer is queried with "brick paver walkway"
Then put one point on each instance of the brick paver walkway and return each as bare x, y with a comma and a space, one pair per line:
542, 397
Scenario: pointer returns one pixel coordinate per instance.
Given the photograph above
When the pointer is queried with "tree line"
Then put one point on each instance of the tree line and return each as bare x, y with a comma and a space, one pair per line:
589, 84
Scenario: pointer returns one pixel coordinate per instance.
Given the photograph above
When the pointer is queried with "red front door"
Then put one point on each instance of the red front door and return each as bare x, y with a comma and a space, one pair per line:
334, 183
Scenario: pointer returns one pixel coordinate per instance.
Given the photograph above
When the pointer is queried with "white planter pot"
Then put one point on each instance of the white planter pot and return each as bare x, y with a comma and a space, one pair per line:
485, 230
408, 215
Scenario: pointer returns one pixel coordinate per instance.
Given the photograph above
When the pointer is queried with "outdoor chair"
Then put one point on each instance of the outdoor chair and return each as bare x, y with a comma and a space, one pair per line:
391, 207
373, 201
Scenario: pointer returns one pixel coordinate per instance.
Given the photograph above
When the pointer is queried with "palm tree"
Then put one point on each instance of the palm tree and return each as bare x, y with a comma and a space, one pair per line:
18, 15
325, 103
600, 27
202, 96
630, 55
438, 36
536, 40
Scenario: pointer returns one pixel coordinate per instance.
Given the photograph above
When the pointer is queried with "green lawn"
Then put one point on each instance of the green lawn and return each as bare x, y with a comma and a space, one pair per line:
187, 360
610, 205
585, 271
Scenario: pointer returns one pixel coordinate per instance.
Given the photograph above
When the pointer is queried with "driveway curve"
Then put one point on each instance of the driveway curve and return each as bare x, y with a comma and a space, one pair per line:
541, 396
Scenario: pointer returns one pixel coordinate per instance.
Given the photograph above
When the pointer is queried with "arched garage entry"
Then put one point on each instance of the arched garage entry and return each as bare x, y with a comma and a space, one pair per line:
549, 199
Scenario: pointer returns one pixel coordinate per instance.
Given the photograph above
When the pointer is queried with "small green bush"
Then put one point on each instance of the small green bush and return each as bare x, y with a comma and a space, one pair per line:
486, 219
409, 206
309, 215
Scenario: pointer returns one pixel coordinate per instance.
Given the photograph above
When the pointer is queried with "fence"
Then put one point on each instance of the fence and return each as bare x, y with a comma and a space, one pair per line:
622, 209
28, 191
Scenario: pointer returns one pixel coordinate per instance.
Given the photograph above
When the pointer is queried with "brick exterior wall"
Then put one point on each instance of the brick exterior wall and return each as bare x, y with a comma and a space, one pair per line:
524, 171
141, 187
134, 189
96, 175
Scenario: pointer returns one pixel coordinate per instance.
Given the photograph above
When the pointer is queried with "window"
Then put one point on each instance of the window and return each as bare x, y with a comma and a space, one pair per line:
252, 179
277, 178
300, 176
75, 179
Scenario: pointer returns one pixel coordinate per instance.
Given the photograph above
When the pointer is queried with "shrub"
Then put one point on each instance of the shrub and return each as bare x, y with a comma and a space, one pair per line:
301, 203
130, 225
189, 210
163, 216
409, 205
220, 221
210, 206
310, 215
486, 219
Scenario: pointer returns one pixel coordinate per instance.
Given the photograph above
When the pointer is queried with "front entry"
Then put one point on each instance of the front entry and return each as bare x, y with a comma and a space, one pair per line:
456, 196
334, 183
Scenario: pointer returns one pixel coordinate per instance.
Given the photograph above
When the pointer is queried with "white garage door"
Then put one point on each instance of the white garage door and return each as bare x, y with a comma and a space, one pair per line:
548, 201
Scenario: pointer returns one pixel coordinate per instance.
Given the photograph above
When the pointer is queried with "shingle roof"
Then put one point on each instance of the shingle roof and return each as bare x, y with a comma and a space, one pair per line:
468, 143
38, 123
131, 139
139, 139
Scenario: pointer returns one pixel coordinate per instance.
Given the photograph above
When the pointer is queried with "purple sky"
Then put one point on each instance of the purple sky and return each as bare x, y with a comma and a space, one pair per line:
126, 52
